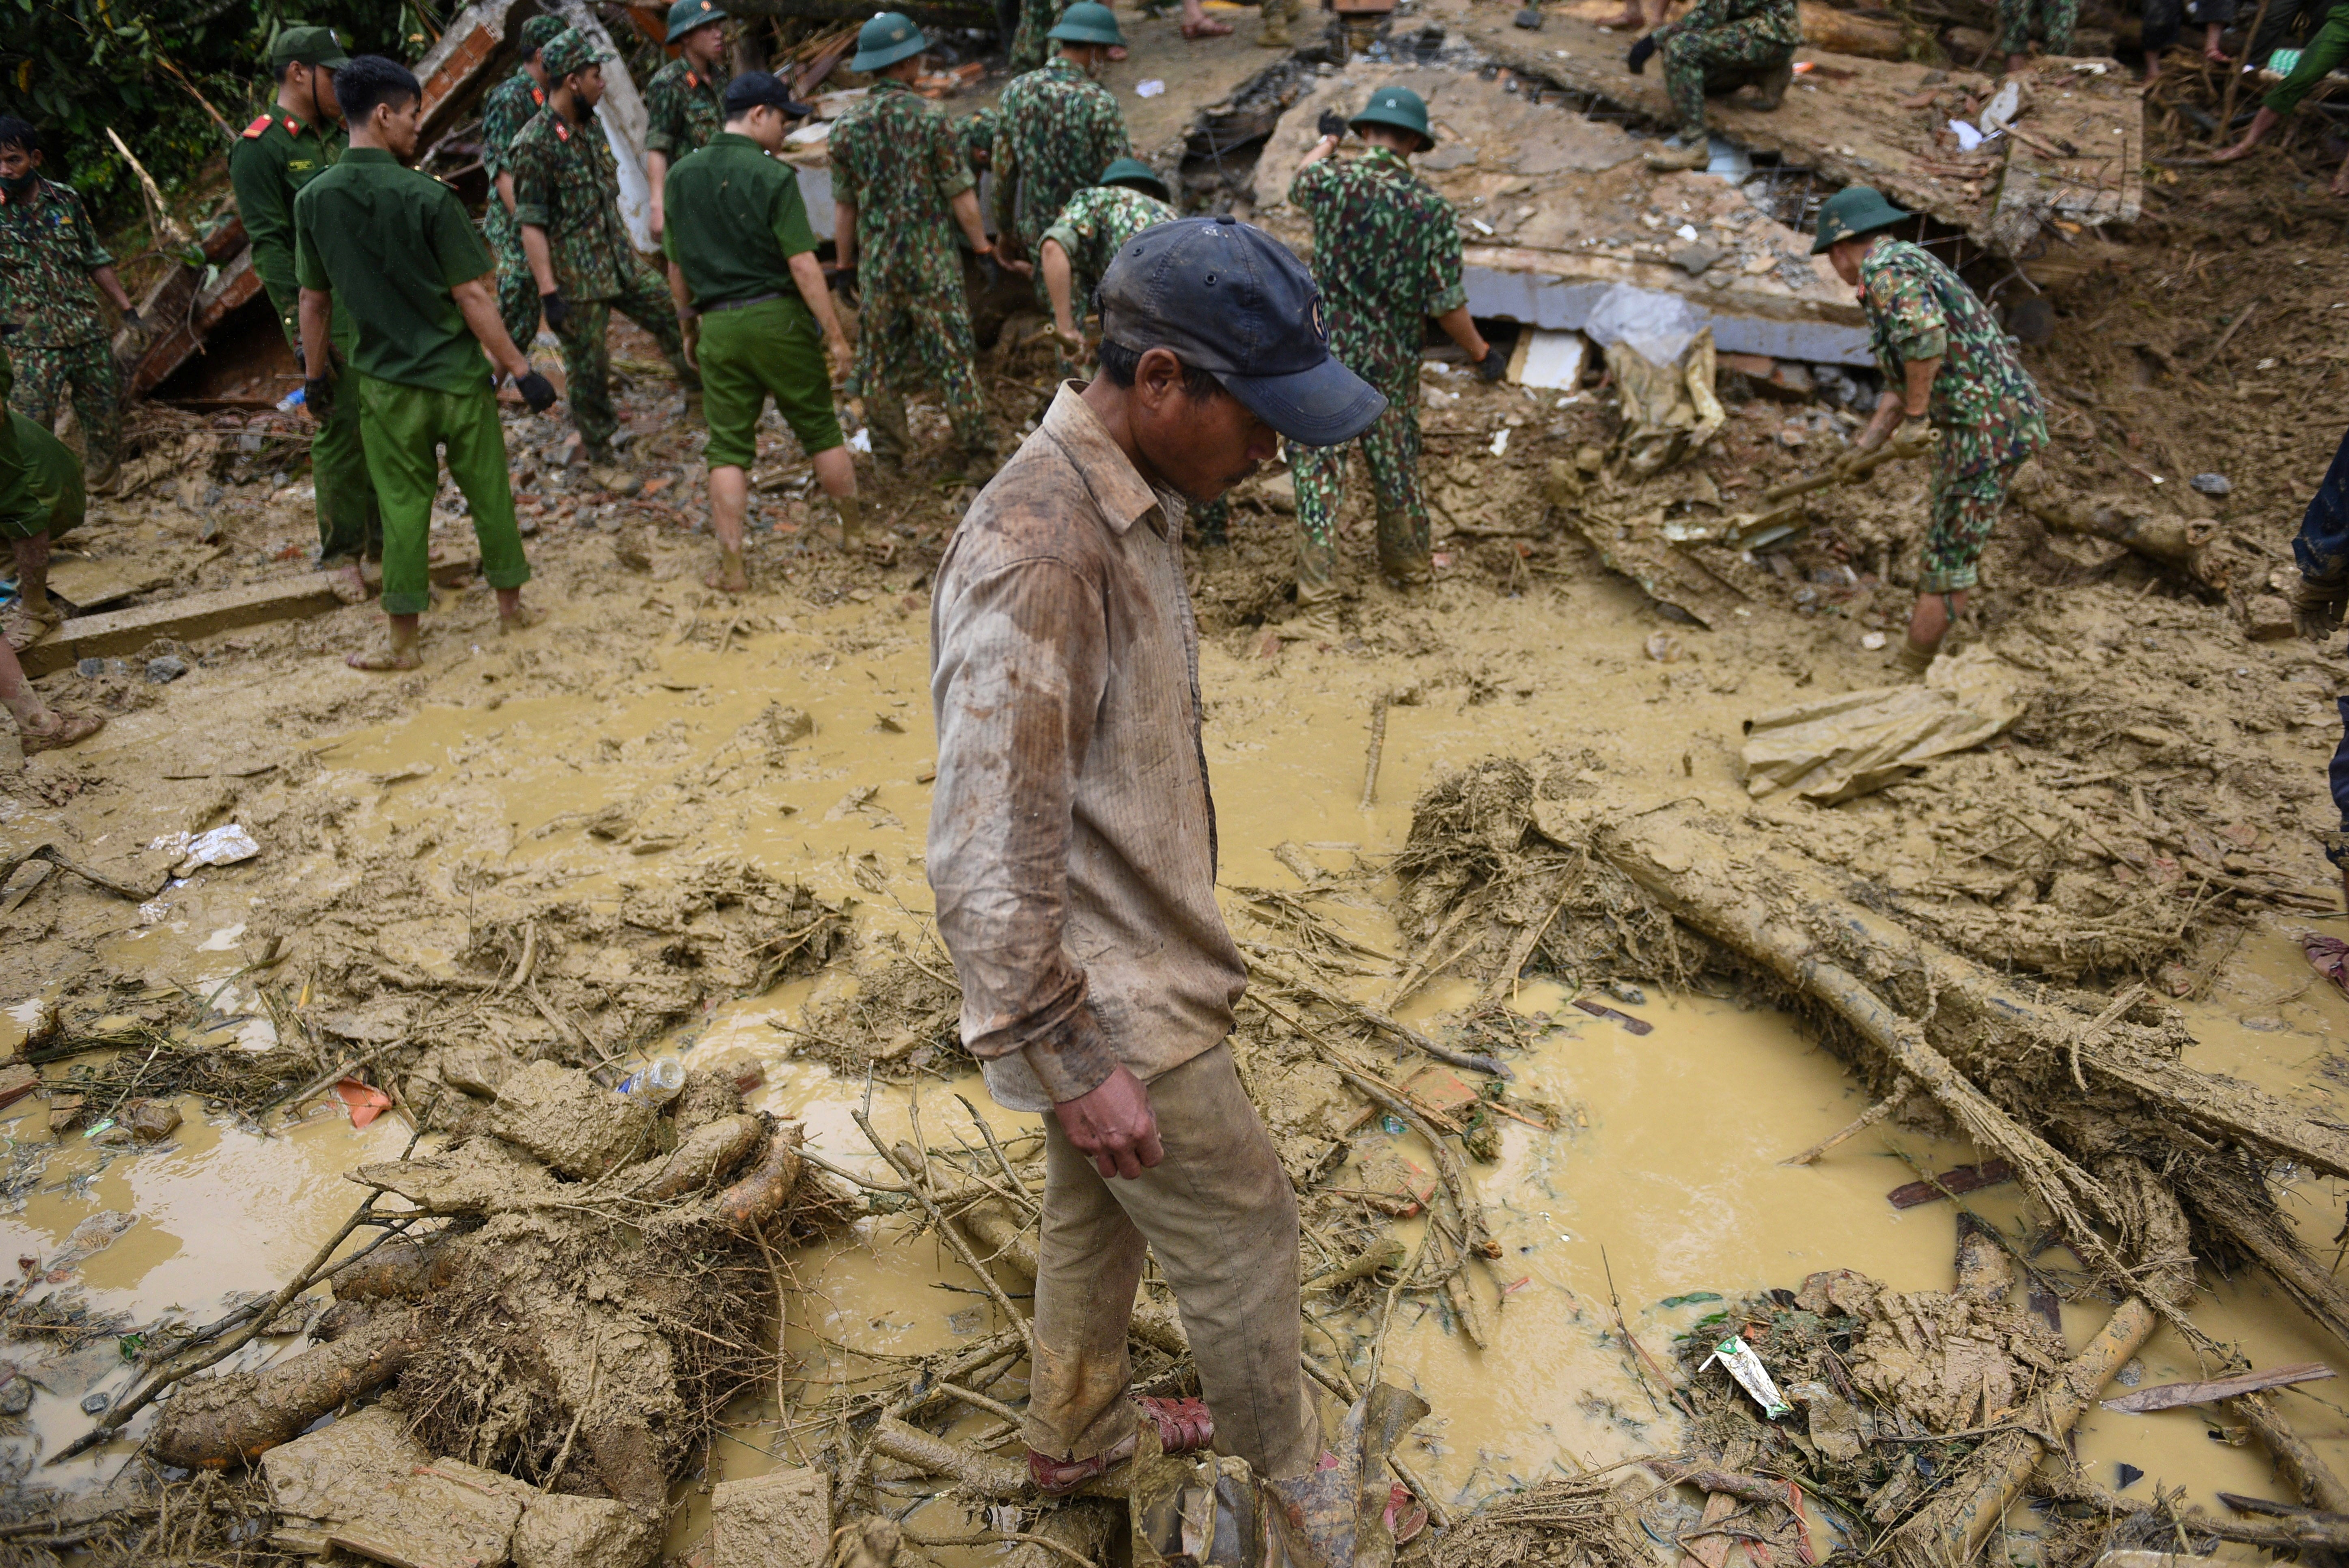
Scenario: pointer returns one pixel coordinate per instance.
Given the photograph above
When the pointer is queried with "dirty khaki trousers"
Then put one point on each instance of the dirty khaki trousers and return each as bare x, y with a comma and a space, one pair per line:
1222, 1218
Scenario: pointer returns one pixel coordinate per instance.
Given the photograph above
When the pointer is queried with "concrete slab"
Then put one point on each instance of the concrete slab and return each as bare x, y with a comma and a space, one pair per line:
1557, 210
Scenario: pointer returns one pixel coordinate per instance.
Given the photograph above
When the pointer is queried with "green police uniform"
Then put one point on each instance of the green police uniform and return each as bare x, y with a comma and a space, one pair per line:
391, 244
274, 158
1984, 403
23, 513
735, 221
510, 105
1058, 128
897, 160
48, 248
2325, 51
684, 108
1719, 47
1386, 252
54, 477
567, 184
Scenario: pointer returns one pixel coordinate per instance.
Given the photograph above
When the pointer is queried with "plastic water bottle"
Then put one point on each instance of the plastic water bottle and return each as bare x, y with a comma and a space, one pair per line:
293, 400
656, 1082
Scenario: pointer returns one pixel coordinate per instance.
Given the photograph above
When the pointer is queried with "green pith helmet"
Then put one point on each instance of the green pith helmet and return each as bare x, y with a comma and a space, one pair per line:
1855, 210
1400, 108
569, 50
1087, 23
308, 46
541, 31
888, 38
687, 14
1140, 176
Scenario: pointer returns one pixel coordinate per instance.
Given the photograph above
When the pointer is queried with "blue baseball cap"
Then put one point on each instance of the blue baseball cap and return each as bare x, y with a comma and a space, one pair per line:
1228, 298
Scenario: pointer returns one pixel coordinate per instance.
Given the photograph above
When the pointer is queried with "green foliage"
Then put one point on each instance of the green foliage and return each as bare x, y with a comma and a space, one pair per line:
75, 67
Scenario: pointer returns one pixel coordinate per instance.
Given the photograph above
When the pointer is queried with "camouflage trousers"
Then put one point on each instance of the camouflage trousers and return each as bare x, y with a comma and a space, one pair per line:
1390, 448
906, 341
1030, 47
80, 374
517, 290
1719, 60
2052, 19
587, 356
1965, 509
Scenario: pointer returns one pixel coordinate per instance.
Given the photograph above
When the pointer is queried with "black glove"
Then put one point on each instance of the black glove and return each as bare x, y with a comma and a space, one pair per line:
130, 318
1637, 59
842, 280
319, 395
557, 309
1495, 364
536, 390
1331, 123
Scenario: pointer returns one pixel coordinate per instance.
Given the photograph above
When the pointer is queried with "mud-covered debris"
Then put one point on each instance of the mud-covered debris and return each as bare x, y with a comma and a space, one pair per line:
780, 1519
572, 1123
1832, 749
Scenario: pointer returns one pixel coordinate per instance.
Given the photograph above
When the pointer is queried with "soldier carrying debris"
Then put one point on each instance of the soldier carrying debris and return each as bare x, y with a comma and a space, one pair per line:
1719, 47
1944, 359
758, 319
1072, 818
684, 101
395, 247
1386, 252
49, 258
901, 185
511, 105
1057, 129
567, 201
274, 157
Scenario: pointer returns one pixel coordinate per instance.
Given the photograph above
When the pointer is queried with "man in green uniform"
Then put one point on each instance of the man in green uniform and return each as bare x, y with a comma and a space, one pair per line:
1093, 227
683, 102
742, 269
40, 493
395, 248
567, 201
1386, 252
512, 103
54, 478
275, 156
49, 258
1719, 47
1944, 359
1058, 128
2325, 52
900, 186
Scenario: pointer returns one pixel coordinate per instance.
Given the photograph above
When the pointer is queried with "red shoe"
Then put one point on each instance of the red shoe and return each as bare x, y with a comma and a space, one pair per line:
1183, 1426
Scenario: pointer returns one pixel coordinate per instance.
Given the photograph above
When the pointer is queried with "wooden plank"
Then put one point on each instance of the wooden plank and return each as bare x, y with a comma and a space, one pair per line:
1964, 1179
126, 632
2209, 1390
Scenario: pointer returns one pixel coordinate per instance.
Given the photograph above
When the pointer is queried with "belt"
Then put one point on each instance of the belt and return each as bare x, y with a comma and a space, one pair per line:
740, 303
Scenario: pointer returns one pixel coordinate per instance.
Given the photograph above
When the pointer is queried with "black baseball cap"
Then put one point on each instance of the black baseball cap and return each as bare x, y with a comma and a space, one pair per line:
751, 89
1229, 299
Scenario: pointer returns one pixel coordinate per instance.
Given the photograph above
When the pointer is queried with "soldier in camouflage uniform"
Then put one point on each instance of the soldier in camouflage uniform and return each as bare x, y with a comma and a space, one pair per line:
901, 185
272, 159
49, 258
567, 201
1091, 229
1719, 47
1058, 129
1386, 252
685, 103
1944, 359
2053, 21
977, 136
511, 105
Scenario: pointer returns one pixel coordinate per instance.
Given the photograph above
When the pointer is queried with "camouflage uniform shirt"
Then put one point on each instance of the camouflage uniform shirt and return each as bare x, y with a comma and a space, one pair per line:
1097, 220
566, 183
977, 134
1984, 402
1386, 252
48, 248
896, 158
1058, 129
1774, 18
683, 109
512, 103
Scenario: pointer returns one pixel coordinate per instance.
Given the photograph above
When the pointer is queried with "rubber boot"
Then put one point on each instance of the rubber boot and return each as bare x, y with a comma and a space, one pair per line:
1403, 561
852, 520
885, 416
1682, 151
1770, 91
1316, 620
1272, 26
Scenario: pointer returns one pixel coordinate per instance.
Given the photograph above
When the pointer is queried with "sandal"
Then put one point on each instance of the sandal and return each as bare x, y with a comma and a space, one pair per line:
1183, 1426
1207, 27
71, 728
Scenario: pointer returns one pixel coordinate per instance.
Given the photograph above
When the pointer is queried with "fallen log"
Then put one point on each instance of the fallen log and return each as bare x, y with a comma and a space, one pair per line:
2180, 544
234, 1419
982, 1474
2211, 1390
2311, 1478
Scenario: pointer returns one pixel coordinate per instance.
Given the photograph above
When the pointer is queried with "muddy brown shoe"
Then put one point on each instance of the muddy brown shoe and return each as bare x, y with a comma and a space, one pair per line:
1770, 90
1678, 153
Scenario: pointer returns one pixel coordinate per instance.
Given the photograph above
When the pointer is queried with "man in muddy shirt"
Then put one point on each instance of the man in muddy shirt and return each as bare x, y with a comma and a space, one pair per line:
1944, 359
1073, 850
